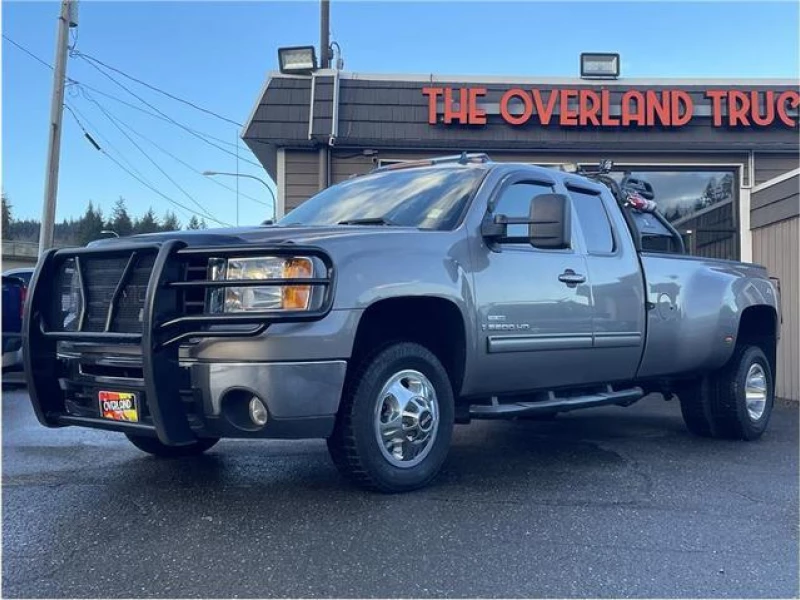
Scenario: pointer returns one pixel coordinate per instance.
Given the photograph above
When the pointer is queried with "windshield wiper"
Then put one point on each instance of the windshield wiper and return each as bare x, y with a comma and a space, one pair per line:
368, 221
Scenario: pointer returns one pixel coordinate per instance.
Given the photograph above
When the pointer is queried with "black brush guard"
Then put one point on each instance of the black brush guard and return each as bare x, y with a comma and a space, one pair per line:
164, 326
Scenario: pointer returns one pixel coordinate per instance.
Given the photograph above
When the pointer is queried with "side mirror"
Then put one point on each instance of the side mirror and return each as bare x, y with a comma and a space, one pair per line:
549, 225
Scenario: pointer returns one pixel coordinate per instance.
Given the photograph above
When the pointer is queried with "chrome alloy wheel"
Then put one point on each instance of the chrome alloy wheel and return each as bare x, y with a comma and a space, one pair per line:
406, 418
755, 391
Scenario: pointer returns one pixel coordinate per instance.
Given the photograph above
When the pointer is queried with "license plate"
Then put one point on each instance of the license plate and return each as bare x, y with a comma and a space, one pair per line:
119, 406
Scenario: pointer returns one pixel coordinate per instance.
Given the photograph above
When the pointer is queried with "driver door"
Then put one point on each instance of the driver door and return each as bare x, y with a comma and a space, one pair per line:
534, 305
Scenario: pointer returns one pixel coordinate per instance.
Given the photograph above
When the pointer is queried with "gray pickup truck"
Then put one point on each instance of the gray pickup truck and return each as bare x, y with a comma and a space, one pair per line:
393, 305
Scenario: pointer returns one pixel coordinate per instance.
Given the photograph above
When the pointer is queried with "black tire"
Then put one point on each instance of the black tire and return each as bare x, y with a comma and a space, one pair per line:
730, 418
354, 446
695, 398
716, 404
154, 446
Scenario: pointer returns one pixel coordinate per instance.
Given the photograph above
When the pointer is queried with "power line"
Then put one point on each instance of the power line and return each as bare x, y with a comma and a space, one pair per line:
83, 87
143, 181
80, 85
28, 52
175, 157
154, 163
154, 88
157, 114
107, 141
167, 198
131, 170
145, 102
147, 184
85, 133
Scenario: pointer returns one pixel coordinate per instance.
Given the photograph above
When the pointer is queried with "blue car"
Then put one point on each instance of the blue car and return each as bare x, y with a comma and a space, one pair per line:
15, 289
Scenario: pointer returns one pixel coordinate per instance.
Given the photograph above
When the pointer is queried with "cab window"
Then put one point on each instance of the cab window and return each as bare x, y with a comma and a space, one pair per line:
593, 218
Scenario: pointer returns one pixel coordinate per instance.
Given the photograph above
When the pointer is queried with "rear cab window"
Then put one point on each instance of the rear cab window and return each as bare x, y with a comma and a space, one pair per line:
589, 210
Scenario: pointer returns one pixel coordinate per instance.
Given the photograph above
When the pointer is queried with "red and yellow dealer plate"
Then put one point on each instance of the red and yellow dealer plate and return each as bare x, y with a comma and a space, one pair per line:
119, 406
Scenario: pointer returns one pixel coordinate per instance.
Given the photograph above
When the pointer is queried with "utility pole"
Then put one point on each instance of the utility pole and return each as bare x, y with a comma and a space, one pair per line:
237, 179
325, 33
68, 18
325, 63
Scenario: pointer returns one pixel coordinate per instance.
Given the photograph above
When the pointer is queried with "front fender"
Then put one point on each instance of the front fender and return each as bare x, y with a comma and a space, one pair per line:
417, 264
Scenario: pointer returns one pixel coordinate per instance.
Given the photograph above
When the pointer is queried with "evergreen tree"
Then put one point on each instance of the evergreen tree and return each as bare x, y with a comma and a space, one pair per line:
147, 224
91, 225
65, 233
6, 217
193, 223
120, 221
203, 223
170, 222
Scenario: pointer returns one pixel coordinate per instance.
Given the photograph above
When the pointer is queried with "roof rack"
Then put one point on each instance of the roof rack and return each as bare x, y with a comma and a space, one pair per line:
461, 159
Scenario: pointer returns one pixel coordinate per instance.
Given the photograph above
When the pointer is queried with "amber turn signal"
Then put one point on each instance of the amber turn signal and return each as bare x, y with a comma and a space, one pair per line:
296, 297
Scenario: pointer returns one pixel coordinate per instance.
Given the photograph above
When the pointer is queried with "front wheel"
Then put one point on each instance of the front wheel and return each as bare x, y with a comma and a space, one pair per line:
156, 447
395, 422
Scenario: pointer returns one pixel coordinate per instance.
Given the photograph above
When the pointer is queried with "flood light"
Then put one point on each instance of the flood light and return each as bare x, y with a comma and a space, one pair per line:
297, 59
603, 65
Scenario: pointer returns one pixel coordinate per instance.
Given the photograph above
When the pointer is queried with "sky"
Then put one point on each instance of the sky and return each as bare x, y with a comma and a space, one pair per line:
217, 55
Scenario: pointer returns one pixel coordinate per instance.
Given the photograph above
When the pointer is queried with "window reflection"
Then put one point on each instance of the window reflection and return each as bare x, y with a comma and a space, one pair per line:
681, 194
700, 205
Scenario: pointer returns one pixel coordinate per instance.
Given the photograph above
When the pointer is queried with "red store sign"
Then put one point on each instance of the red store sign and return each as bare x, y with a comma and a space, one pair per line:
584, 107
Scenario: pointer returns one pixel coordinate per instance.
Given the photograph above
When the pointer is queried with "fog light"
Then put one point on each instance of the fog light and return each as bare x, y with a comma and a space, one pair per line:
258, 412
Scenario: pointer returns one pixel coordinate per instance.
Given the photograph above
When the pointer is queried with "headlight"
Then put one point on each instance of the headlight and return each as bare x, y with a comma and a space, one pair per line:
266, 297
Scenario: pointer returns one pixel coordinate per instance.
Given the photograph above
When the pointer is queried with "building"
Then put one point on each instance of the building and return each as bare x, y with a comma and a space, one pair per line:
723, 156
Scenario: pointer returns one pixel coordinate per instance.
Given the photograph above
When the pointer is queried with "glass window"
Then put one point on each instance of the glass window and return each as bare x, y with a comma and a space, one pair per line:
427, 198
592, 216
681, 194
700, 204
515, 201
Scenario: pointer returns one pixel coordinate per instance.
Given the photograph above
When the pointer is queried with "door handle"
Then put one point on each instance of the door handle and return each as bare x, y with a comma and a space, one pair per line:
571, 278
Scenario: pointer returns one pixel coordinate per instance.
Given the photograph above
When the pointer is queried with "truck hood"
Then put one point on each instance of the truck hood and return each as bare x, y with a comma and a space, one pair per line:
262, 235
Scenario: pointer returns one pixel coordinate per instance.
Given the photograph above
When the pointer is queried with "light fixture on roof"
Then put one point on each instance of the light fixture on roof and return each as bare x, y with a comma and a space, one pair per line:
599, 65
298, 60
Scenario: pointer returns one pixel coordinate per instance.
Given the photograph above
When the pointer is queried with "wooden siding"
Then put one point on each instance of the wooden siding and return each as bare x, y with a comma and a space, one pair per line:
777, 247
393, 114
769, 165
776, 202
302, 177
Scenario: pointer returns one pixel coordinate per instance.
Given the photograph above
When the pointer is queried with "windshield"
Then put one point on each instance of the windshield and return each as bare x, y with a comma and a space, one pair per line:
427, 198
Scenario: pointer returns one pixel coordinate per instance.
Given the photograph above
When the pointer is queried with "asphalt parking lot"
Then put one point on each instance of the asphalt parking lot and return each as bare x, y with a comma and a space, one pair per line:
605, 503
